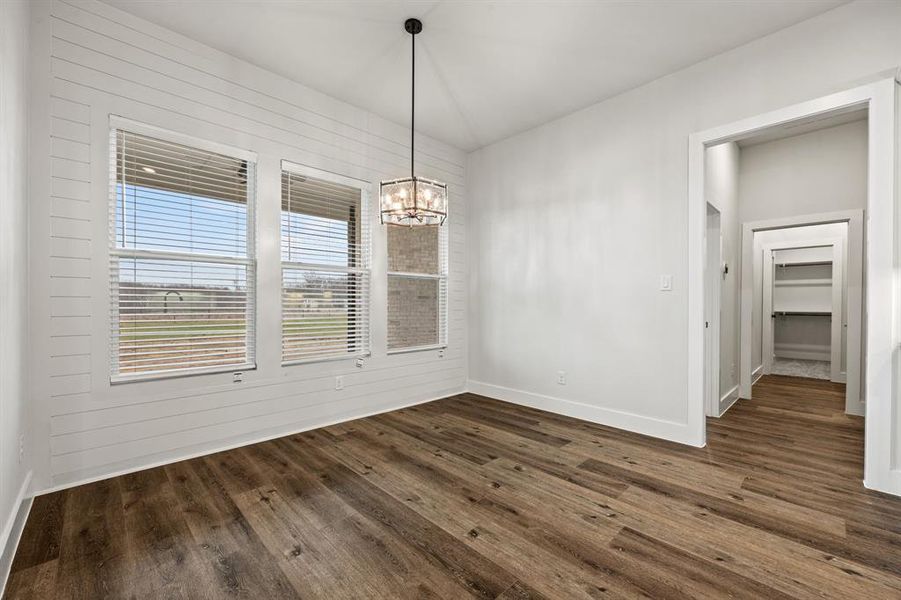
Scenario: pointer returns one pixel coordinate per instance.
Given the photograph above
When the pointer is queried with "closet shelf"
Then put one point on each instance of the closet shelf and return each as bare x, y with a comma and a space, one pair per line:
802, 282
801, 313
809, 263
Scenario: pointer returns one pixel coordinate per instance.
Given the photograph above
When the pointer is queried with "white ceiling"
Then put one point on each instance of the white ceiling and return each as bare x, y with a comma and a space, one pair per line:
485, 69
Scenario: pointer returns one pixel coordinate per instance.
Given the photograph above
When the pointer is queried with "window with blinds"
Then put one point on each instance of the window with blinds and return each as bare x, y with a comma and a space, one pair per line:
325, 266
181, 259
417, 288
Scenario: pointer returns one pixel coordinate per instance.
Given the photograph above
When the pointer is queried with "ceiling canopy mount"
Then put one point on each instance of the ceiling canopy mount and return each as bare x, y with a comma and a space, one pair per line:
413, 26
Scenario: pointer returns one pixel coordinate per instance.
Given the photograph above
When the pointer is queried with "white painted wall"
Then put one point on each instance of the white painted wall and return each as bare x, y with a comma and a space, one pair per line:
820, 171
577, 219
15, 417
103, 61
721, 173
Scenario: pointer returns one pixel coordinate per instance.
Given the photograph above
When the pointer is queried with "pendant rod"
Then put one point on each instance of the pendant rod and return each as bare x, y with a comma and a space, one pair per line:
413, 26
412, 102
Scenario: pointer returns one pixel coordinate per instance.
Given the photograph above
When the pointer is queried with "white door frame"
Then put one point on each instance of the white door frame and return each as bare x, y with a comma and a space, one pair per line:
713, 251
768, 346
854, 396
883, 312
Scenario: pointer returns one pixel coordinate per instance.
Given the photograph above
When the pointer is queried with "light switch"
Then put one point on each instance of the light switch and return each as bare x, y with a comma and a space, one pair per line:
666, 283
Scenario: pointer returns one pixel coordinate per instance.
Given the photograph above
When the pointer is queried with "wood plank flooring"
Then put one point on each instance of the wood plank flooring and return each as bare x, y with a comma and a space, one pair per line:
471, 497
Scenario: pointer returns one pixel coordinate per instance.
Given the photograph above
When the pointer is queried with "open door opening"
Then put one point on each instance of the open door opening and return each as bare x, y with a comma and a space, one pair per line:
713, 285
805, 296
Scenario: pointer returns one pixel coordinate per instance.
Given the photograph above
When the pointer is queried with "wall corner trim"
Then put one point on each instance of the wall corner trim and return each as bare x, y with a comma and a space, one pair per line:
658, 428
12, 530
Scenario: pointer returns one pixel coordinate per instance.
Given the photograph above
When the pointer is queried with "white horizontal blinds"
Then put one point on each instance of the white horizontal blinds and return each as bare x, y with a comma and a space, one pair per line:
417, 287
181, 259
325, 269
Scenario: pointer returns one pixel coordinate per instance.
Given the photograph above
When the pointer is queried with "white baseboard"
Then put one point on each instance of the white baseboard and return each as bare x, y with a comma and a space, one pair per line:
254, 439
858, 409
803, 352
659, 428
889, 483
727, 400
12, 530
756, 374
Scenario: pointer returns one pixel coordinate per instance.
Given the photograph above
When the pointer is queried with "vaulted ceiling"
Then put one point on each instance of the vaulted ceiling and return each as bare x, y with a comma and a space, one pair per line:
485, 70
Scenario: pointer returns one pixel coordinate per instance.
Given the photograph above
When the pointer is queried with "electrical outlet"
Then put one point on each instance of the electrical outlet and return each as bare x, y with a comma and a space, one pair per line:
339, 382
359, 363
561, 377
237, 377
21, 447
441, 353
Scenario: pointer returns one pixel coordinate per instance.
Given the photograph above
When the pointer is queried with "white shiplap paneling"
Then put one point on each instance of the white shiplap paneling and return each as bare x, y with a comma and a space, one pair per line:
105, 62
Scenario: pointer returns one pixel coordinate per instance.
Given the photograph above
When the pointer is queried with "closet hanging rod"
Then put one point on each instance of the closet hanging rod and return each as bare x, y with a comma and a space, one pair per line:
801, 313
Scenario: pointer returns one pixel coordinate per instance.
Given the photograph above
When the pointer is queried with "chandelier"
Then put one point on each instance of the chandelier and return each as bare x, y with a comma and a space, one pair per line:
412, 201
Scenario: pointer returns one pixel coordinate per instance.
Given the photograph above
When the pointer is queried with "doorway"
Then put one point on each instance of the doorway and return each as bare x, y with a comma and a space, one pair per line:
713, 291
804, 312
883, 300
831, 311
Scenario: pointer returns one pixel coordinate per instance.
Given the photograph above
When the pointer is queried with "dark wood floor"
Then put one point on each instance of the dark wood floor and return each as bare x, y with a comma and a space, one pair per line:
472, 497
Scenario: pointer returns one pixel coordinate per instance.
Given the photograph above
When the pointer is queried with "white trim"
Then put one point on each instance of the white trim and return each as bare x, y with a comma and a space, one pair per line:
803, 351
756, 374
117, 122
854, 401
883, 309
12, 530
658, 428
323, 268
713, 290
727, 400
416, 349
157, 375
307, 171
321, 359
412, 275
183, 256
242, 443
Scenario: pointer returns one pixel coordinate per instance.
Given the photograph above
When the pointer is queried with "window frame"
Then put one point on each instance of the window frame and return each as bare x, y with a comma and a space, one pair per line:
440, 277
117, 124
364, 270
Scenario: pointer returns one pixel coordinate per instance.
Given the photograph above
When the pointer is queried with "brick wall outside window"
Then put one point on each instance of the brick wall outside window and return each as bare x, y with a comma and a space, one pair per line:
413, 304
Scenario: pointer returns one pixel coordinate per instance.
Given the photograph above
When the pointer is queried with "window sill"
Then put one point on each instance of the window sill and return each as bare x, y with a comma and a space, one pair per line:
140, 377
417, 349
310, 361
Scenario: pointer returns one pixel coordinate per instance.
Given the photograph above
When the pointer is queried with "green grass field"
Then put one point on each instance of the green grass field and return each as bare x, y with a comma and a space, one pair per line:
131, 331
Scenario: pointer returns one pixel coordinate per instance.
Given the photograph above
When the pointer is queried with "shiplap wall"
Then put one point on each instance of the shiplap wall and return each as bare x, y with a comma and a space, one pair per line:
106, 62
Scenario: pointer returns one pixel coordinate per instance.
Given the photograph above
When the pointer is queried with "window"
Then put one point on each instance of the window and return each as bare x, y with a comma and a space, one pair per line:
417, 287
181, 259
325, 266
